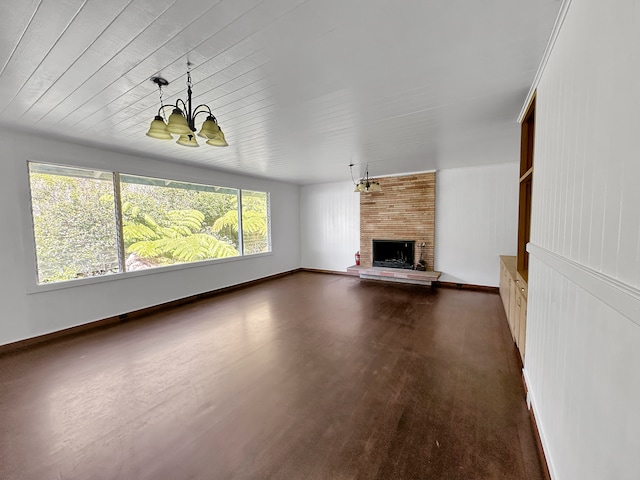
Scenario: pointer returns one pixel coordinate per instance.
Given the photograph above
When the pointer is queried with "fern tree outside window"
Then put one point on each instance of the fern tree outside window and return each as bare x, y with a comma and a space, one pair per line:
167, 222
90, 223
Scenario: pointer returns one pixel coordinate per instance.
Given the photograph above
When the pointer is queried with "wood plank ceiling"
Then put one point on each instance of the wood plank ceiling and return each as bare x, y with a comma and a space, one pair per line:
300, 87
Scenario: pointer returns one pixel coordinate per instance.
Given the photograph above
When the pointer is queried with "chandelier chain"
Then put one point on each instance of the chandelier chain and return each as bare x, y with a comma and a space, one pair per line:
161, 102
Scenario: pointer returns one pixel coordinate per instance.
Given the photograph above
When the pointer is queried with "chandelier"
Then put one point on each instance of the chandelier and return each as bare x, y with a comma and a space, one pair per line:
182, 121
365, 184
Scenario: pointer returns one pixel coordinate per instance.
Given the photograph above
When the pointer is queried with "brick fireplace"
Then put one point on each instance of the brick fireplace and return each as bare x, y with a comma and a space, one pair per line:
404, 210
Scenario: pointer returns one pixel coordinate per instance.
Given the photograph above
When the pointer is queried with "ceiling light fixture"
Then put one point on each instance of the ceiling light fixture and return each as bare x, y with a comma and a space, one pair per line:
182, 121
365, 184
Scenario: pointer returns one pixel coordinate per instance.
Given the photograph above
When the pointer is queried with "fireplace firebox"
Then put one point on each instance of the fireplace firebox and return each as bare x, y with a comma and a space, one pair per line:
393, 253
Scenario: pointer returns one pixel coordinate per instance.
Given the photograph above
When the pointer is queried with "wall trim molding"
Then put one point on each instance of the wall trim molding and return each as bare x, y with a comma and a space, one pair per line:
468, 286
330, 272
562, 14
618, 295
531, 403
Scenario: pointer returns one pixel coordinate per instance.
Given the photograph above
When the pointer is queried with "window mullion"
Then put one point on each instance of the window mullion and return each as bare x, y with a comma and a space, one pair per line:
118, 213
240, 230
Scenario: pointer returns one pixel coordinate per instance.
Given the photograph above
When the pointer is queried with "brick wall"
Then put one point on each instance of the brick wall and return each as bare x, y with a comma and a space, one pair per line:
404, 210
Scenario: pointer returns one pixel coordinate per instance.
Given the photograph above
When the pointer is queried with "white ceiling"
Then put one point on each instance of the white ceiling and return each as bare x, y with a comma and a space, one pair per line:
301, 88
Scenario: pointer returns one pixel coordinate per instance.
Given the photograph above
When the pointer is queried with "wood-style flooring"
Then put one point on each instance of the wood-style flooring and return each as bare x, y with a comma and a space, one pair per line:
307, 376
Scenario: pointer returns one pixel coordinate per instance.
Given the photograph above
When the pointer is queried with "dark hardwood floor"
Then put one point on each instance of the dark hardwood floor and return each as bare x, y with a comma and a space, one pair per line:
308, 376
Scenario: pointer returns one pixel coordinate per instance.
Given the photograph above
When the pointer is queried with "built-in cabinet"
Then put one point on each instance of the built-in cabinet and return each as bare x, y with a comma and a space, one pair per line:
514, 270
513, 291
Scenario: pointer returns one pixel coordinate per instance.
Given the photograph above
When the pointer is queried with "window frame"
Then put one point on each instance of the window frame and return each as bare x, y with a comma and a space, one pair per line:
35, 287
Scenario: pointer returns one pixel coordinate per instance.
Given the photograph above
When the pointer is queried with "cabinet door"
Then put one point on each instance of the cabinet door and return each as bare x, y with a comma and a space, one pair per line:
516, 315
522, 332
513, 293
504, 287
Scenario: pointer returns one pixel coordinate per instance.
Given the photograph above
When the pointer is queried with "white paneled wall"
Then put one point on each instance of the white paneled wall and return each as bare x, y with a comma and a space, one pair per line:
586, 158
329, 226
581, 369
476, 221
583, 327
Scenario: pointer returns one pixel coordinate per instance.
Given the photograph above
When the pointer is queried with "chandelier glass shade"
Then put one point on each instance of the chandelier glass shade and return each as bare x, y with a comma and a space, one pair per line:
182, 121
211, 130
158, 129
187, 140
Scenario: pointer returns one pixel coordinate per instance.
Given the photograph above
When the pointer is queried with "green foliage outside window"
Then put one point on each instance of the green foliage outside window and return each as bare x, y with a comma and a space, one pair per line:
74, 225
163, 222
163, 225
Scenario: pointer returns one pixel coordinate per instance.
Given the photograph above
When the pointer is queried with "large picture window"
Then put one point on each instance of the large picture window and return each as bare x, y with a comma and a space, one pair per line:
80, 217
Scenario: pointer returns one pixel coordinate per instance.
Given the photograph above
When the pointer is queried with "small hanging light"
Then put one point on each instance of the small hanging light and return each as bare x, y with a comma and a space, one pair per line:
365, 184
182, 121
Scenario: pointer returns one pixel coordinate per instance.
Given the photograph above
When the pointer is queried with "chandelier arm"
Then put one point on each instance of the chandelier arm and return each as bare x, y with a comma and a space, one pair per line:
208, 111
161, 109
184, 106
195, 110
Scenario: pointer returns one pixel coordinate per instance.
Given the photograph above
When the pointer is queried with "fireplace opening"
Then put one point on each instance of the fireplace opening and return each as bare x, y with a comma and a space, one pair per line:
393, 253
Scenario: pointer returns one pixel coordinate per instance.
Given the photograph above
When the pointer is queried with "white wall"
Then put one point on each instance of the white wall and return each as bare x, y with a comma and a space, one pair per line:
26, 315
476, 221
329, 225
583, 326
